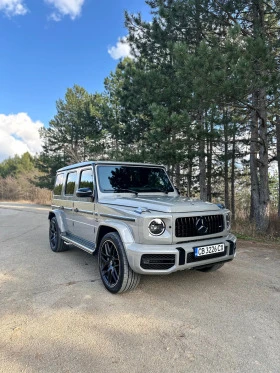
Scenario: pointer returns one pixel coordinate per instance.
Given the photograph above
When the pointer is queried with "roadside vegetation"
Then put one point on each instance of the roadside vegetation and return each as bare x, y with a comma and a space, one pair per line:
199, 94
18, 181
20, 177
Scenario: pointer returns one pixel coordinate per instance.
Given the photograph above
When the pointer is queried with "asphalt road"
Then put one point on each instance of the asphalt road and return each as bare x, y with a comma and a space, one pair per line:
56, 316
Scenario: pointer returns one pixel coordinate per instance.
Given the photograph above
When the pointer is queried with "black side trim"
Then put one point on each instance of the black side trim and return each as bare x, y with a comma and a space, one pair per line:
118, 217
182, 256
86, 212
79, 241
232, 247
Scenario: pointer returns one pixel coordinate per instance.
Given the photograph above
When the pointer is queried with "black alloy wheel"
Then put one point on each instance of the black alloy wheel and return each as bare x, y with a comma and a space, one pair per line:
115, 272
53, 234
56, 243
109, 263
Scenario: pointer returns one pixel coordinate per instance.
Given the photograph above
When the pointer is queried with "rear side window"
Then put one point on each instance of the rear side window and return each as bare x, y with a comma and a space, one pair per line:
70, 183
58, 185
86, 179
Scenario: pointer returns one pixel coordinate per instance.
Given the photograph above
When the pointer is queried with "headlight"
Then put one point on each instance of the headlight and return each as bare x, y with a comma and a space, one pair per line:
228, 220
157, 227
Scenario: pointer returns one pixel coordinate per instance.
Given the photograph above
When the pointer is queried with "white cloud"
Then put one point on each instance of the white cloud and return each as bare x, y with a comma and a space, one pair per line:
121, 50
19, 134
13, 7
55, 17
71, 8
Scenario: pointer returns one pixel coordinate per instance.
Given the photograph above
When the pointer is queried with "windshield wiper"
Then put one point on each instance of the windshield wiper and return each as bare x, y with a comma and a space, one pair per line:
127, 190
121, 190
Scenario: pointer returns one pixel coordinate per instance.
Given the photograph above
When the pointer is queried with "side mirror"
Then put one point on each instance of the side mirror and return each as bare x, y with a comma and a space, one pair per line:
84, 192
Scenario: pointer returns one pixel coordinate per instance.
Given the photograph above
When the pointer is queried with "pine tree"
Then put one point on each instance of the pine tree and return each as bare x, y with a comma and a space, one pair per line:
75, 132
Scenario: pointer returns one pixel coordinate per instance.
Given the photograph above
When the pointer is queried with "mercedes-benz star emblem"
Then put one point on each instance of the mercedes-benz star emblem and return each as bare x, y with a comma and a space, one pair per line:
201, 226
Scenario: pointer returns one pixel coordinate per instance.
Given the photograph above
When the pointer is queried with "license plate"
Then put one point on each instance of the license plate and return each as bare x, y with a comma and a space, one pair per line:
208, 250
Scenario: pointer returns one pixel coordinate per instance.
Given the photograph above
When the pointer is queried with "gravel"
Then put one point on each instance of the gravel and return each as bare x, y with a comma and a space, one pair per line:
56, 316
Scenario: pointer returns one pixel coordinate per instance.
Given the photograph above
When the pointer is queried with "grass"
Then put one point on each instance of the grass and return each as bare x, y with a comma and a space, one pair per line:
262, 238
246, 230
41, 202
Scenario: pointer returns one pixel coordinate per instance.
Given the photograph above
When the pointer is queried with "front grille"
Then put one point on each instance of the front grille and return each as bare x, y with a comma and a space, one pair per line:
192, 258
192, 226
157, 261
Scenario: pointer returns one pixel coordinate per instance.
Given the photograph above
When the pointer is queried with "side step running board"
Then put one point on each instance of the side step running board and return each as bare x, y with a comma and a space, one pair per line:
78, 244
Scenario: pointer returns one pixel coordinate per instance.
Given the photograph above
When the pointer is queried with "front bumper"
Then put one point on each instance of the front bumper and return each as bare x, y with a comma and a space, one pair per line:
180, 253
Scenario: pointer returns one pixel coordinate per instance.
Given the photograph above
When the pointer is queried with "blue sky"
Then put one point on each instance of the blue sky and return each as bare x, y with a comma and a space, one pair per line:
48, 46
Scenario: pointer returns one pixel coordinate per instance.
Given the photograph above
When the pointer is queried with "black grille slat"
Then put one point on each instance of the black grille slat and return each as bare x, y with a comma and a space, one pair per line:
186, 226
157, 261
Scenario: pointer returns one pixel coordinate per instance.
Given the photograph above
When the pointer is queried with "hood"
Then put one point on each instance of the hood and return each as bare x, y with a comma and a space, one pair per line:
161, 203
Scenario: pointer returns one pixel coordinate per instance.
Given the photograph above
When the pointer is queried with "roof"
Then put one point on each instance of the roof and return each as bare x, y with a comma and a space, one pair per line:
89, 163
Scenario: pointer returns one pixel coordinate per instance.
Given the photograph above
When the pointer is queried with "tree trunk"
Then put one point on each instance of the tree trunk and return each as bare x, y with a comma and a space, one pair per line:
232, 206
178, 175
202, 165
190, 169
278, 157
172, 173
259, 167
226, 161
254, 161
201, 130
263, 216
209, 164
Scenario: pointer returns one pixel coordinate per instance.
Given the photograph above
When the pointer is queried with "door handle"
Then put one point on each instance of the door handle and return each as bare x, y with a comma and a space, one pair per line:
76, 209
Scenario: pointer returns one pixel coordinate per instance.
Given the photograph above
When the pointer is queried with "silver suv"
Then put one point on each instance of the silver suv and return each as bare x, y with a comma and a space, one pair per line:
133, 217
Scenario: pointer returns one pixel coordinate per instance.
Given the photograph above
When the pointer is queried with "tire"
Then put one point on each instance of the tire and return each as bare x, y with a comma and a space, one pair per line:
115, 272
211, 268
56, 243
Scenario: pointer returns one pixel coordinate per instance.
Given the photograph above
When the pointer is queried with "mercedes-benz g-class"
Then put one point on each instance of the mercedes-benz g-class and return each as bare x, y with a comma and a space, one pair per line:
134, 218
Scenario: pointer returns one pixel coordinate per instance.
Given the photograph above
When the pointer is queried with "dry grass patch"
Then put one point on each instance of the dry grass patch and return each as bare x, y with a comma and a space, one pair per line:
245, 229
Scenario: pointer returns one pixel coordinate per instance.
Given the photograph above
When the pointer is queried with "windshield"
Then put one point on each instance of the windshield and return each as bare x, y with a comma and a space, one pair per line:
133, 179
